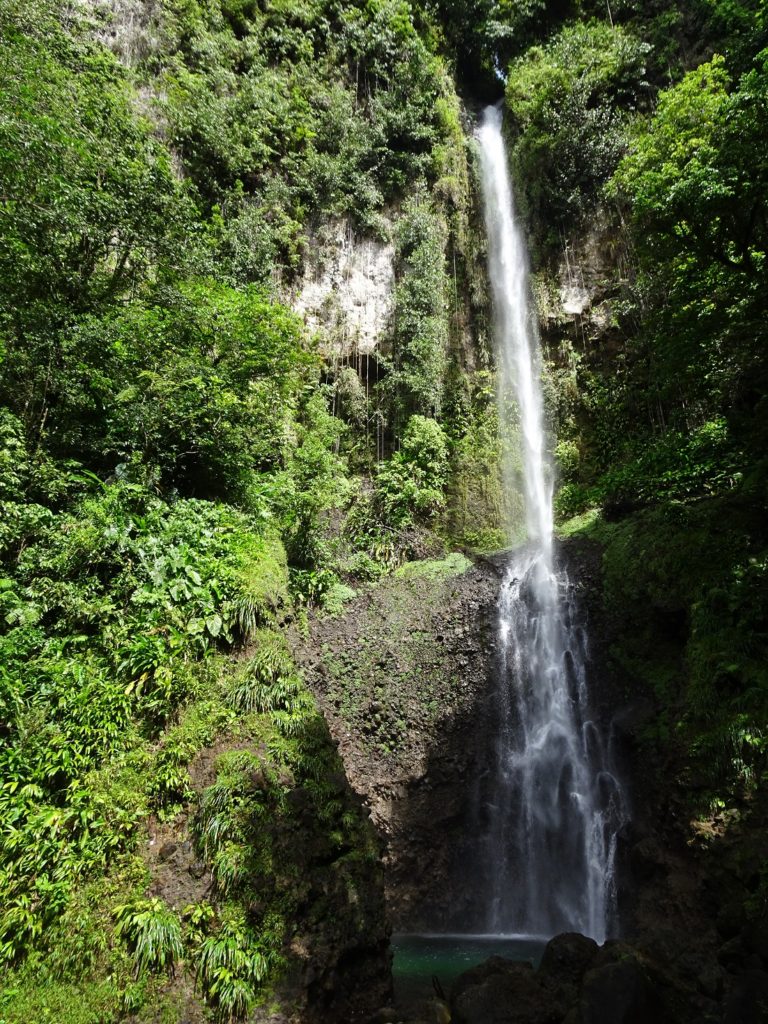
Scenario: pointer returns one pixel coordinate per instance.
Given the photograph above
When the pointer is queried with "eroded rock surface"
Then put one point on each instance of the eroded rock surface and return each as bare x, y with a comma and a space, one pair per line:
347, 292
581, 983
401, 678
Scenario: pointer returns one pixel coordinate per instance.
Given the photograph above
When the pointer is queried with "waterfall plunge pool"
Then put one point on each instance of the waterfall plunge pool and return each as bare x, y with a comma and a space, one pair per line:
420, 958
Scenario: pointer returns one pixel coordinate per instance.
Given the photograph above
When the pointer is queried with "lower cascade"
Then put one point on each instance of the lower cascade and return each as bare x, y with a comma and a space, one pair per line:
554, 800
552, 804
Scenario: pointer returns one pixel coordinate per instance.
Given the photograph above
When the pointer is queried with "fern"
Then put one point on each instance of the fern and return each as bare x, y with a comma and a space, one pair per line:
213, 821
269, 681
229, 869
152, 931
230, 971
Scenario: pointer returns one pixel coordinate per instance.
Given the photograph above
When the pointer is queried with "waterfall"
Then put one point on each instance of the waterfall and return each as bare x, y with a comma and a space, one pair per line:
553, 802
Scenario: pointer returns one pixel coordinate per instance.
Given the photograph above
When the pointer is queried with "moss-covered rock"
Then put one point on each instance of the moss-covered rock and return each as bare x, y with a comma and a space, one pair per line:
401, 678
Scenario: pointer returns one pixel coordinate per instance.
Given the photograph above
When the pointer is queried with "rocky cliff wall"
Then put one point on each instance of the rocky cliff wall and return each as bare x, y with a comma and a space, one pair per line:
401, 678
404, 678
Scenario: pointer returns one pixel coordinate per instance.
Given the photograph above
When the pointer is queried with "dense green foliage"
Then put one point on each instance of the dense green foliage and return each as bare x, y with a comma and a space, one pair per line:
181, 470
170, 464
569, 102
698, 186
301, 99
683, 415
114, 610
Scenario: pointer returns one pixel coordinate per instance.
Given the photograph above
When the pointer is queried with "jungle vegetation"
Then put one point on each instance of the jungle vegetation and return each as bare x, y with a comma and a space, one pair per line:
183, 473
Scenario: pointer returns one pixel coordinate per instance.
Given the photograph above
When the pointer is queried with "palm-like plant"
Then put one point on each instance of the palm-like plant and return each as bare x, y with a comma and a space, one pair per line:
153, 932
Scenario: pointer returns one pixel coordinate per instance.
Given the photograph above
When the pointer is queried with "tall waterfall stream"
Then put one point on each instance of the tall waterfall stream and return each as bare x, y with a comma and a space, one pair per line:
554, 803
549, 804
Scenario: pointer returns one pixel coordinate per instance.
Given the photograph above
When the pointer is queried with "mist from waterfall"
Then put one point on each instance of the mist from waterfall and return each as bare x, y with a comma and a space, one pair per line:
552, 802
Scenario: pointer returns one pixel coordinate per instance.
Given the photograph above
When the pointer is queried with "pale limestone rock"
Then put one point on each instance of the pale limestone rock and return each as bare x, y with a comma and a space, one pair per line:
346, 292
583, 289
574, 298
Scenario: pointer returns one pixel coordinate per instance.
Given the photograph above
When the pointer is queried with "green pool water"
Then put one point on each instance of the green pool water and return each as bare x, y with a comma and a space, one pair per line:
420, 958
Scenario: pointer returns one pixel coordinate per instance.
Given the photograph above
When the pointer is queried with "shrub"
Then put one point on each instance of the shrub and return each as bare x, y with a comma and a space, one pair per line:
410, 486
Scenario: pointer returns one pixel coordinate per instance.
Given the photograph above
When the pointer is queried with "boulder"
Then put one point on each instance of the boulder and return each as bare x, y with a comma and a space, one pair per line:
710, 981
730, 918
504, 992
732, 954
617, 993
567, 956
435, 1011
647, 858
755, 937
747, 1000
386, 1015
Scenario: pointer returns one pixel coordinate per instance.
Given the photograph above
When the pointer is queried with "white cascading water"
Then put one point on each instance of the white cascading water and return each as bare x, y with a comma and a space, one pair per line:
553, 802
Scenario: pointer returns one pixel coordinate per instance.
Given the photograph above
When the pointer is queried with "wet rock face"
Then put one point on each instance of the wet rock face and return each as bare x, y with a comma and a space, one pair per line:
401, 678
405, 678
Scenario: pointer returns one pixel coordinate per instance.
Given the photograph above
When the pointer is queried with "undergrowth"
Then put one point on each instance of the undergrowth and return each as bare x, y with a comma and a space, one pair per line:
685, 588
110, 945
